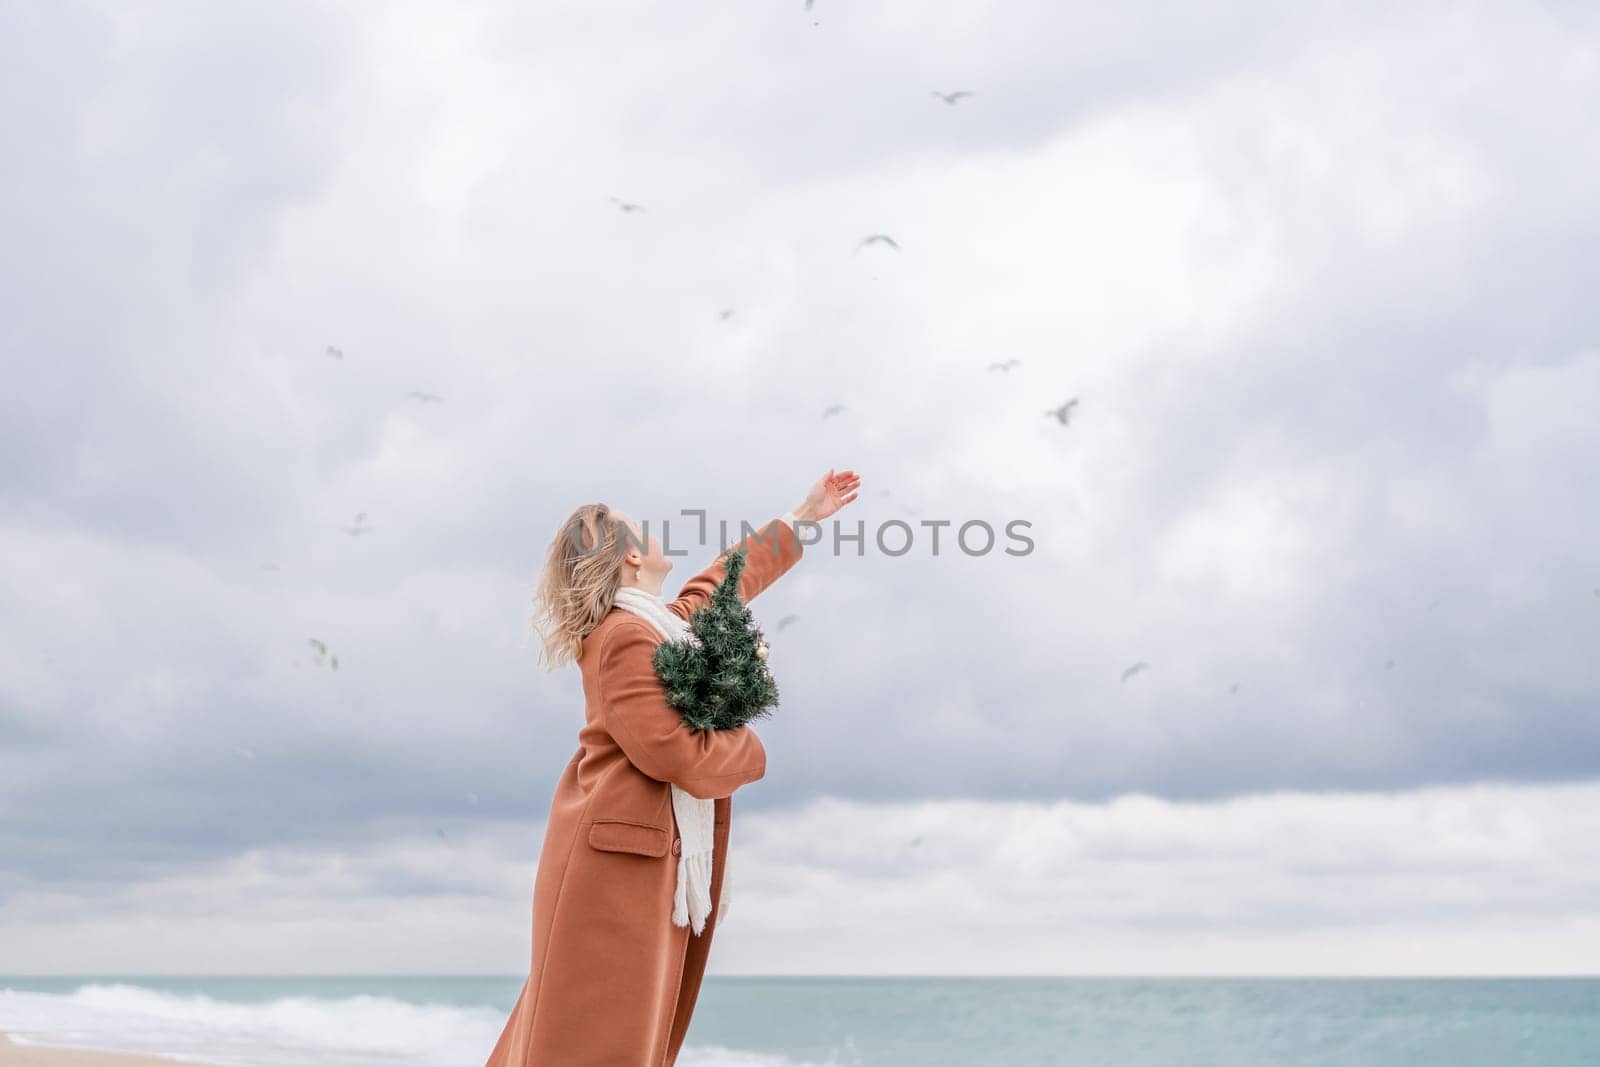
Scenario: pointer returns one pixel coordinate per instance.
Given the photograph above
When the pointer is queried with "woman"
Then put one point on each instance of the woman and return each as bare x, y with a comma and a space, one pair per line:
614, 977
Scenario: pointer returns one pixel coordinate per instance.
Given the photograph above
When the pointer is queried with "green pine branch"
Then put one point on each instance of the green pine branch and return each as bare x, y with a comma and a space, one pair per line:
716, 681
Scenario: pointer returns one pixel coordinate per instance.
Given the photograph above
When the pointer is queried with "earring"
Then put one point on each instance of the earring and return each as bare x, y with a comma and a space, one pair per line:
638, 575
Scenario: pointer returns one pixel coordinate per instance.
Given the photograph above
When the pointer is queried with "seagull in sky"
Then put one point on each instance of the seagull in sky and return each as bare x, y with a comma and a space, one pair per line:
878, 238
323, 656
1064, 412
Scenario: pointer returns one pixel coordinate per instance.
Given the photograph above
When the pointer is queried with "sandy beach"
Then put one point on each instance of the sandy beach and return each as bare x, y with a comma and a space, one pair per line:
15, 1055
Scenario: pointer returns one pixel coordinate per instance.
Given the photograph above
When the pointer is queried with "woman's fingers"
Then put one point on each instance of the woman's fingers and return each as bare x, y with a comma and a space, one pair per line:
841, 485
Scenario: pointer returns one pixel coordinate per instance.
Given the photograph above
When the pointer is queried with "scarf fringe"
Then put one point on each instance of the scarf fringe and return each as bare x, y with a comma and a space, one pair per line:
682, 896
691, 901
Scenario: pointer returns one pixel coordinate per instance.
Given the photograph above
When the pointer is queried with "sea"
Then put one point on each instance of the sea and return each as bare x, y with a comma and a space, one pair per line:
453, 1021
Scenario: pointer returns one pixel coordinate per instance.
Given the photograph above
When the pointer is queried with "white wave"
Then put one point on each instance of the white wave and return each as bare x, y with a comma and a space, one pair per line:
293, 1031
717, 1056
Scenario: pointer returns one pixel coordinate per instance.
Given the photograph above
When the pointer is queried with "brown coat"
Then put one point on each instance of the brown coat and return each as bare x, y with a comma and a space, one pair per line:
614, 981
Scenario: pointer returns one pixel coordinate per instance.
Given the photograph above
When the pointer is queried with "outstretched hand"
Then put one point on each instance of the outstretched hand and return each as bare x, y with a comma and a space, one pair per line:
831, 492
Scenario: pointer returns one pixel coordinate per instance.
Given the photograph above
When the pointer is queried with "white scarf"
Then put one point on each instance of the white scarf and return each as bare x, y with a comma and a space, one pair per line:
695, 817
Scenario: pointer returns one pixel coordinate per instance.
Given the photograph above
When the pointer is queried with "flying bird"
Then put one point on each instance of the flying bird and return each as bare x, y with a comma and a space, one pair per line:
360, 527
878, 238
1064, 412
1234, 688
832, 409
1133, 670
727, 314
269, 566
1435, 602
472, 798
1006, 366
627, 207
245, 752
1388, 664
426, 398
915, 841
785, 621
951, 98
336, 353
323, 656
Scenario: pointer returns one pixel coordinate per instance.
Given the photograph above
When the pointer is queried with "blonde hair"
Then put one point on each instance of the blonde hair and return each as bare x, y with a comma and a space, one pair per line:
583, 568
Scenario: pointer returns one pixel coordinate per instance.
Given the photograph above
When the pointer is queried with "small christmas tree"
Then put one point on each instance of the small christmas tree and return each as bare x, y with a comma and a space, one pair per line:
719, 680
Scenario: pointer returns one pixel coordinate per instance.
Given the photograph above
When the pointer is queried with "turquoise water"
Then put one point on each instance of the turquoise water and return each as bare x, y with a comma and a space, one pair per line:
870, 1022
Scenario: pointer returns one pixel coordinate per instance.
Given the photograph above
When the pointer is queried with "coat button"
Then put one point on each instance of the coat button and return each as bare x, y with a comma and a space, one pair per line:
677, 846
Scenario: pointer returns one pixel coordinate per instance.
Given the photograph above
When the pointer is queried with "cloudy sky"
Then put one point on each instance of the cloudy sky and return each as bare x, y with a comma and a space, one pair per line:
1320, 277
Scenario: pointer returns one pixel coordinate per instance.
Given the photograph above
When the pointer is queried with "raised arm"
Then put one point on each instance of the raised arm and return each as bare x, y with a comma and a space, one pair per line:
772, 549
768, 553
705, 764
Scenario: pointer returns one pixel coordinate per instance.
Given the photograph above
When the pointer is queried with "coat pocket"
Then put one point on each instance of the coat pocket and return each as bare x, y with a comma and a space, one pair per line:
621, 835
